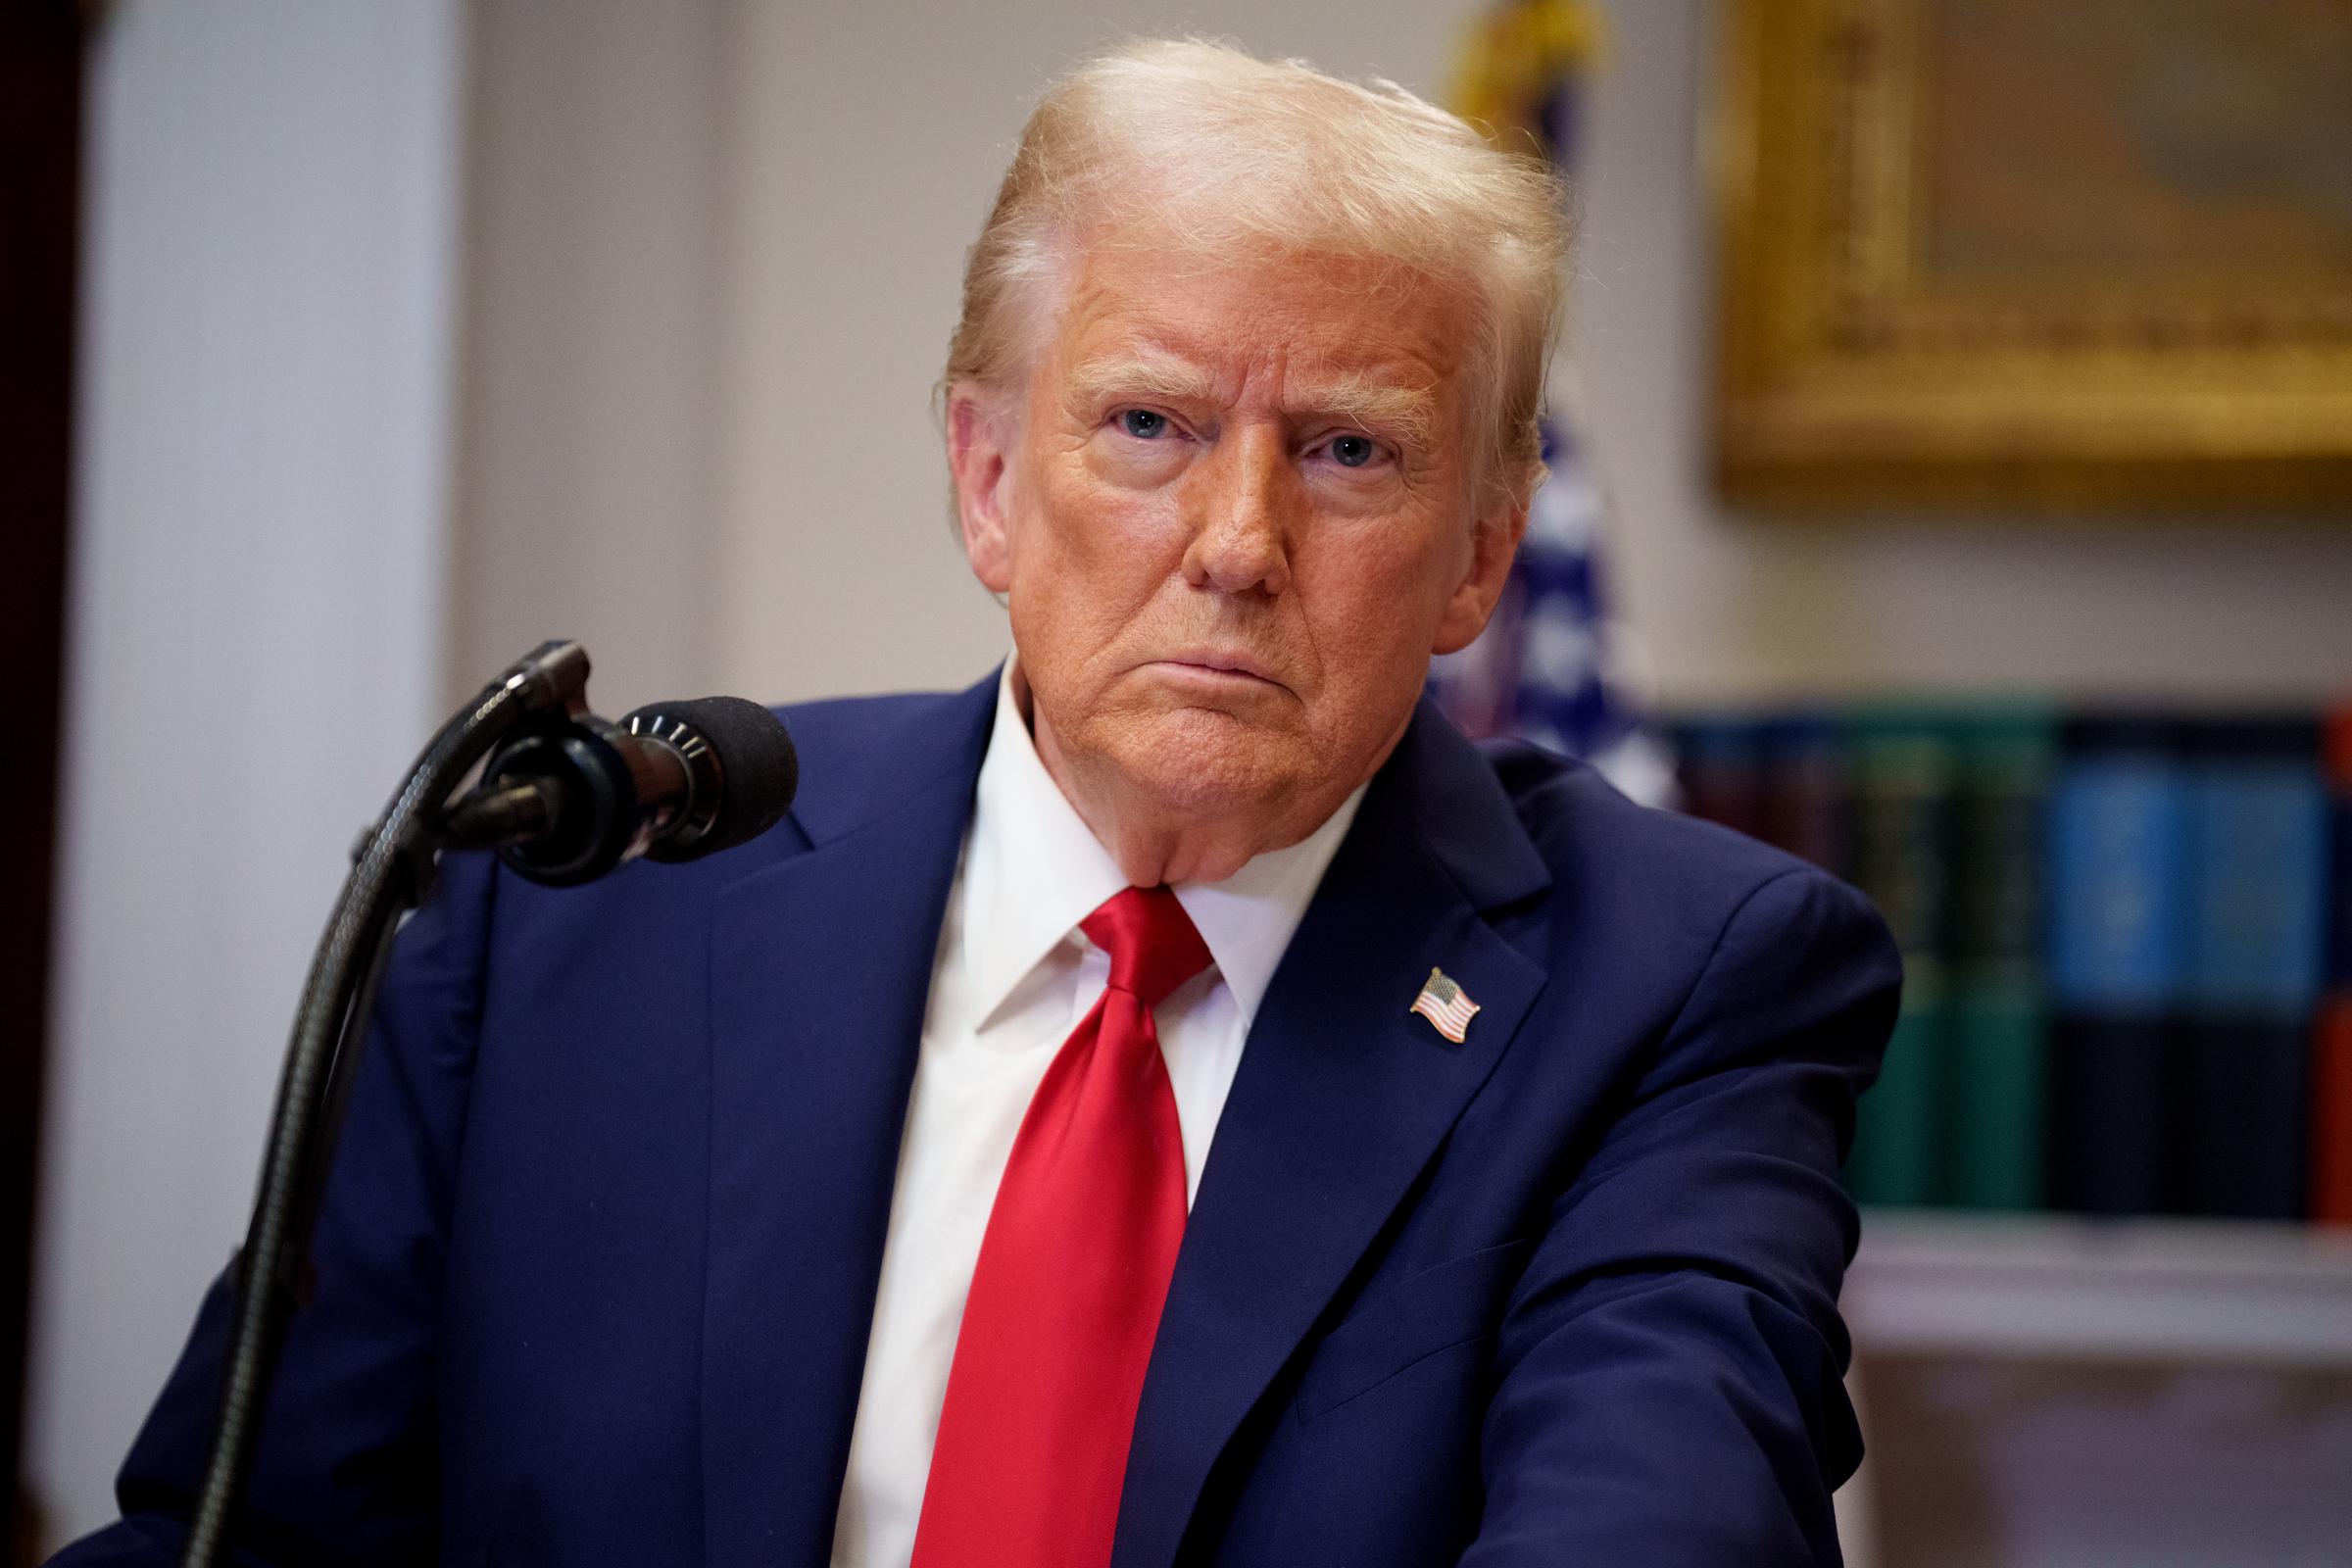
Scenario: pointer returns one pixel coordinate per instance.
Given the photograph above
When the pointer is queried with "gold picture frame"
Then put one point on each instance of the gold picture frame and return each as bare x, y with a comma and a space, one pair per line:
2088, 256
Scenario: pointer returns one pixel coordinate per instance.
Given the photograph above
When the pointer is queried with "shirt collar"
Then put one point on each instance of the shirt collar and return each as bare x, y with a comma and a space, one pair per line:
1033, 868
1033, 871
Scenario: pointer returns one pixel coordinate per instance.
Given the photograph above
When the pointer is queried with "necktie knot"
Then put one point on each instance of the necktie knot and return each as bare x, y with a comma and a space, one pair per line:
1152, 944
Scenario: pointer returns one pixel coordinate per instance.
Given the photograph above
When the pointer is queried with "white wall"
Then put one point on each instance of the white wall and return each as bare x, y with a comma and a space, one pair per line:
255, 614
588, 473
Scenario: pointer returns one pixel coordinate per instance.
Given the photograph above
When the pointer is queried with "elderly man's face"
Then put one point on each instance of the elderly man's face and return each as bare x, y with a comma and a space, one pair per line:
1234, 517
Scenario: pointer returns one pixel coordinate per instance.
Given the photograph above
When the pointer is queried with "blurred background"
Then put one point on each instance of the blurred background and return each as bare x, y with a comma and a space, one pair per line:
1953, 481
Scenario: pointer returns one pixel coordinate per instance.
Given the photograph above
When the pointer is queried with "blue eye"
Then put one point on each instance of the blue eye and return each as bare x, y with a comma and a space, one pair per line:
1142, 423
1353, 451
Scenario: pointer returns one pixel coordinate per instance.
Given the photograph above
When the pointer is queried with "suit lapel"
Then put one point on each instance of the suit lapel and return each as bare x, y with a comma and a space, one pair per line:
822, 967
1342, 1099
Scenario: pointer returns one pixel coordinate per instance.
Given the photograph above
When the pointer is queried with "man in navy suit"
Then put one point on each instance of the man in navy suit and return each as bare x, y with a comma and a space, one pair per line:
1176, 1101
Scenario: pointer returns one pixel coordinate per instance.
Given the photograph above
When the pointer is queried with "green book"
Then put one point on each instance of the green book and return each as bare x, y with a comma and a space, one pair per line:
1903, 768
2001, 1034
1898, 1158
2000, 1018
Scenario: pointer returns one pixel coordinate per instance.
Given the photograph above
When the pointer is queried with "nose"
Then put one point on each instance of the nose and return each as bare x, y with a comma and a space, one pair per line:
1240, 505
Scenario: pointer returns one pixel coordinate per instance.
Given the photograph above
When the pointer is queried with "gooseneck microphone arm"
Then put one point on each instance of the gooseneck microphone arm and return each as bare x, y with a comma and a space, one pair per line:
564, 797
388, 877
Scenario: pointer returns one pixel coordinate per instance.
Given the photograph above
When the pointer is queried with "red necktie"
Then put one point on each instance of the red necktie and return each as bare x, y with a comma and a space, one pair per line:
1073, 1270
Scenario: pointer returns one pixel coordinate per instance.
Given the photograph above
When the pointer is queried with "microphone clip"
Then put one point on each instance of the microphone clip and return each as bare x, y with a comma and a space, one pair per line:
566, 803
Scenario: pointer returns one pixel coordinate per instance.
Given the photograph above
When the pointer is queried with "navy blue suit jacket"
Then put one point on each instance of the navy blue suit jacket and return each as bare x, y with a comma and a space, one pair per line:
598, 1263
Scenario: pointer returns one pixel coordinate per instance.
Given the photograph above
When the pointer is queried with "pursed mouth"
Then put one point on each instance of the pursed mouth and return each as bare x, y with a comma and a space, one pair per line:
1218, 667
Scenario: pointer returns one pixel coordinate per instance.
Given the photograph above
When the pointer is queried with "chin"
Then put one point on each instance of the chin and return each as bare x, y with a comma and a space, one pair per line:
1198, 762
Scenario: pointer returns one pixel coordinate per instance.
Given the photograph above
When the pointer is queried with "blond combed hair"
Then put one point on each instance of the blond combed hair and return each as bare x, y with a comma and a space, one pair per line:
1219, 151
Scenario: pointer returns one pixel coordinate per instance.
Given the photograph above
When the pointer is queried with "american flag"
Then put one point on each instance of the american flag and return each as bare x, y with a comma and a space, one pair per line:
1553, 667
1444, 1005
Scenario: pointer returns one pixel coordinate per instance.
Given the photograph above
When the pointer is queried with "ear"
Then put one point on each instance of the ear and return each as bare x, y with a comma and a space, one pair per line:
1493, 544
979, 456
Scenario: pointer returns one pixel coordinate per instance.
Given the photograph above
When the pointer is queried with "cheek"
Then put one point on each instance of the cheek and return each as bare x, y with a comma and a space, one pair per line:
1087, 567
1373, 599
1384, 584
1112, 534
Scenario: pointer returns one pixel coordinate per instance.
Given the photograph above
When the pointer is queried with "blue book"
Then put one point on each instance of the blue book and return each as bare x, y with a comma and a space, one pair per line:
2337, 765
2256, 964
2122, 814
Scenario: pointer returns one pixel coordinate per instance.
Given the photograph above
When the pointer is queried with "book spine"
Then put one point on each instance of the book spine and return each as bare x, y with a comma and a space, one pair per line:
2001, 1005
2332, 1114
1902, 768
2259, 938
2331, 1044
2118, 933
1719, 762
2000, 1105
1806, 809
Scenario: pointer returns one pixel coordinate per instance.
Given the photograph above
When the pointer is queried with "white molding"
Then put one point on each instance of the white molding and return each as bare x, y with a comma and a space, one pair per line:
2050, 1287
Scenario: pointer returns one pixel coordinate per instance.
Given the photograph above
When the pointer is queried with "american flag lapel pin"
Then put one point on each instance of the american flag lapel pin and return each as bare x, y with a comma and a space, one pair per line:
1446, 1004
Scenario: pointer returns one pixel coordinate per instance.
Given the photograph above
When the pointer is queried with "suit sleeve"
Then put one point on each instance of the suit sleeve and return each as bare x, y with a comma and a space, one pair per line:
1670, 1366
345, 1472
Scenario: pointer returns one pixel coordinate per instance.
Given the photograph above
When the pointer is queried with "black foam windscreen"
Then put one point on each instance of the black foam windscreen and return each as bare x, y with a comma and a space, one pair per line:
758, 771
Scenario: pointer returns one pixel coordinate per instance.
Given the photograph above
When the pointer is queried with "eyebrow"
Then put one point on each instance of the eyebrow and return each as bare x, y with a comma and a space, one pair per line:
1408, 412
1156, 376
1348, 398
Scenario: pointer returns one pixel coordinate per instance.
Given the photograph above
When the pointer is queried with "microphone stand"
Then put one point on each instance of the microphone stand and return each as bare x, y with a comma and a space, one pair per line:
393, 866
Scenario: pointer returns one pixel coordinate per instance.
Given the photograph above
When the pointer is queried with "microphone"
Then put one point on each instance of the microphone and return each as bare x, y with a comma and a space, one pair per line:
672, 781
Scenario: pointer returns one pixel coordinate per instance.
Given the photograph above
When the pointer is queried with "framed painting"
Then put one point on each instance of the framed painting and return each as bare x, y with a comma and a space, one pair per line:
2089, 256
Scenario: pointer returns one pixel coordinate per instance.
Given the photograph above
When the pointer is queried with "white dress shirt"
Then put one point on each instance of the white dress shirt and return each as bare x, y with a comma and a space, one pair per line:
1012, 977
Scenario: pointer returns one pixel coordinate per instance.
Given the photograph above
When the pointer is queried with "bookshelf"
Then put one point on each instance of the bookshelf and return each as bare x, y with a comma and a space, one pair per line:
2042, 1286
2049, 1390
2128, 933
2128, 941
